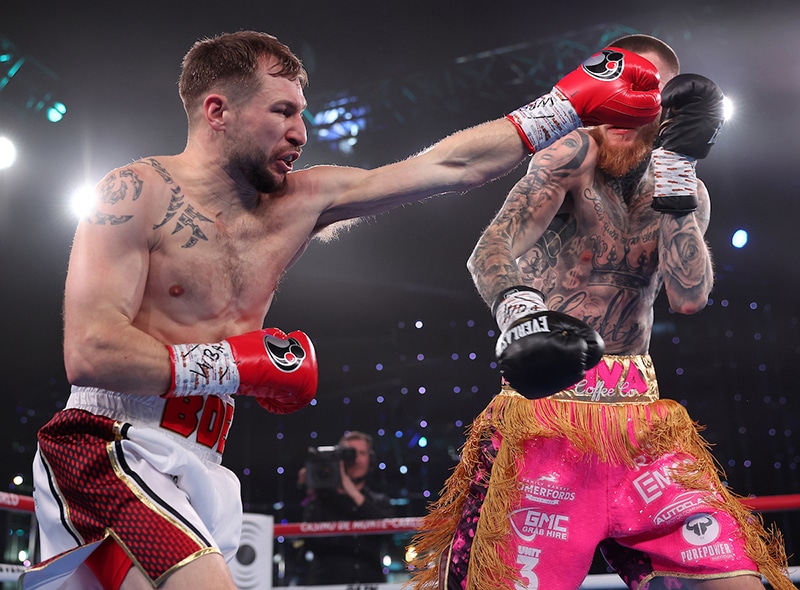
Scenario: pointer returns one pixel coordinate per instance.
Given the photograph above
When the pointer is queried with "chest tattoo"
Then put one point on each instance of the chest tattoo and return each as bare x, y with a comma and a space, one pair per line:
188, 218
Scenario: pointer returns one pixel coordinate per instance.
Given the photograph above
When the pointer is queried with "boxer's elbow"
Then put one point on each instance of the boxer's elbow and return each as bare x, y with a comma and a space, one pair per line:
688, 305
83, 359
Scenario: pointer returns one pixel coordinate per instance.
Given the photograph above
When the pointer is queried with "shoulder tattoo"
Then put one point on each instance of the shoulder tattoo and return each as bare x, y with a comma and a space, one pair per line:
115, 187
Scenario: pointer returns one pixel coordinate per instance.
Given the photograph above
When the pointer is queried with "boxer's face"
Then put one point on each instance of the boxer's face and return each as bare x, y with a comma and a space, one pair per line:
266, 132
621, 150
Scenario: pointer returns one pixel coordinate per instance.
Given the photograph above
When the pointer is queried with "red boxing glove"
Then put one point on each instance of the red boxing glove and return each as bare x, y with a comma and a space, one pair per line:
279, 370
294, 355
615, 87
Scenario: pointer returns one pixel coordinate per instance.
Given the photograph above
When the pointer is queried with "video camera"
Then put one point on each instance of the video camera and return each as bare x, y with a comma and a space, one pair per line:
322, 465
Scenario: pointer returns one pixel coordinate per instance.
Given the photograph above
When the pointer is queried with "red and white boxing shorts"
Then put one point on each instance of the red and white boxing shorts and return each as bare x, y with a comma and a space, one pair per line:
142, 469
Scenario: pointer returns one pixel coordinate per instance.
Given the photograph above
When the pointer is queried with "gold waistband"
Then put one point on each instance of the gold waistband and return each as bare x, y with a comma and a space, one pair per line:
615, 380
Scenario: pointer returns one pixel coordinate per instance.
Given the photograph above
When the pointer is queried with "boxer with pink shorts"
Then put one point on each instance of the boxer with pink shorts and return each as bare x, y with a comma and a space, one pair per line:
536, 493
578, 451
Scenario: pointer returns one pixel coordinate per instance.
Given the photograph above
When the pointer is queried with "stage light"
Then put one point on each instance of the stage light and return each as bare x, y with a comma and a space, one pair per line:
8, 153
27, 85
411, 553
340, 123
56, 112
739, 238
82, 201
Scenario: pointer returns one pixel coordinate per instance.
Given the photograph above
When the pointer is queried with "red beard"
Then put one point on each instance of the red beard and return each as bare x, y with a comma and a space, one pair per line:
618, 161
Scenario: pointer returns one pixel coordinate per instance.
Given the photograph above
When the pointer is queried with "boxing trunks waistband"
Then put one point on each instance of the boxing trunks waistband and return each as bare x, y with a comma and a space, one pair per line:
616, 379
198, 423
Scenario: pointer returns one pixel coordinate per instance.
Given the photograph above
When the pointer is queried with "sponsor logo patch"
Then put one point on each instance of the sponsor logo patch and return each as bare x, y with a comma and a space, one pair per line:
700, 529
529, 523
675, 509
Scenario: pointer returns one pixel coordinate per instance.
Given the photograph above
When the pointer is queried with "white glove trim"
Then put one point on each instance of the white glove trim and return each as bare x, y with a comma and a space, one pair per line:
204, 369
674, 174
546, 119
516, 304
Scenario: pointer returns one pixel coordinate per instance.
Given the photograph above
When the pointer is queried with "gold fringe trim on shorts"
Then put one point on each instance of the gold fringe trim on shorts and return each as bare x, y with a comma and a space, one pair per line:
614, 433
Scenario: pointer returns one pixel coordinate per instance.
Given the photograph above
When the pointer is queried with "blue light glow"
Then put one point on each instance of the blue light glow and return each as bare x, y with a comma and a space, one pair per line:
739, 238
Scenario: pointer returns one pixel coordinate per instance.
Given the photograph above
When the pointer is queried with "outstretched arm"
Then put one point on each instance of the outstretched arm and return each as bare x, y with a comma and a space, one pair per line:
458, 163
475, 156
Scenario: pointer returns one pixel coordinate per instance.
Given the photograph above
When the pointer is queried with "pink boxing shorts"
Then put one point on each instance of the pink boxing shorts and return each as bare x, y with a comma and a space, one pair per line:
647, 525
582, 482
570, 505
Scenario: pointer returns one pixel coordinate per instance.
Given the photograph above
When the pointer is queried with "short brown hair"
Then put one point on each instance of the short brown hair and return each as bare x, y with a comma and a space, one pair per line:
640, 43
231, 60
356, 435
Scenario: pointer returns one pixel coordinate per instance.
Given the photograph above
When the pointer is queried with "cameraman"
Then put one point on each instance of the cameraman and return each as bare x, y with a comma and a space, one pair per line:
347, 558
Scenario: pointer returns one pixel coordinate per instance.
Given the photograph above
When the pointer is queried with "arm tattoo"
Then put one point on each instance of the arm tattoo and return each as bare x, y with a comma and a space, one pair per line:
119, 185
493, 265
175, 204
116, 187
105, 219
686, 263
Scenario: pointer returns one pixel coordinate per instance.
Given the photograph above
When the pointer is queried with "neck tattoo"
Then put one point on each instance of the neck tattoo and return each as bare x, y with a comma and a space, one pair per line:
625, 186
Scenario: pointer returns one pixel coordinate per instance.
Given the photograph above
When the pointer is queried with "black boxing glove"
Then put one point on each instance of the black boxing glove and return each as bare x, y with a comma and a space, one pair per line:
692, 117
541, 352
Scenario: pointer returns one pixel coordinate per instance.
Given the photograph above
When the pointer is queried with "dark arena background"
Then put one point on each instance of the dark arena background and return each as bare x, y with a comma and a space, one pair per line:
404, 343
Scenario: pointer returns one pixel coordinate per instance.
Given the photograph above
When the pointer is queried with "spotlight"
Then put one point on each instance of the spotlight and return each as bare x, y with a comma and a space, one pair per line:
739, 238
82, 201
8, 153
56, 112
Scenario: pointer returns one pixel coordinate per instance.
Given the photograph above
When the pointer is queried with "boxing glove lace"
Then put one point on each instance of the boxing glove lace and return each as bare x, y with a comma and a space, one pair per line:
614, 86
279, 370
541, 352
